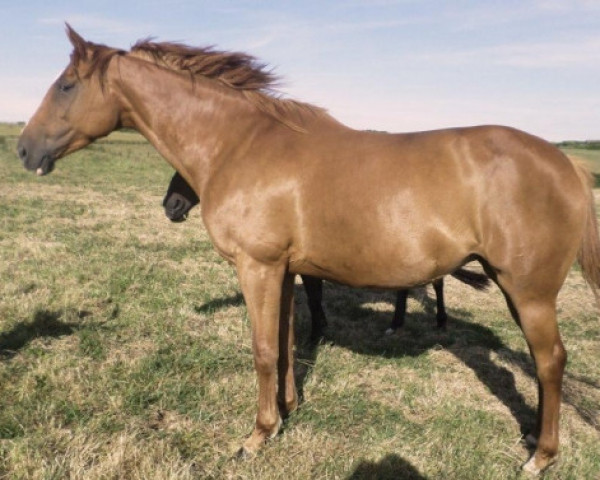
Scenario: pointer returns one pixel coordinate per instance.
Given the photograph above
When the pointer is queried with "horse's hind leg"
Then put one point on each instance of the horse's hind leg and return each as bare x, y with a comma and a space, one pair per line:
541, 331
536, 315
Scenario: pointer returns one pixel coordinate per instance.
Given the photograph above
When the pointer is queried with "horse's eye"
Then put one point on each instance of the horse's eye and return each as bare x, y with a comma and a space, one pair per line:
65, 87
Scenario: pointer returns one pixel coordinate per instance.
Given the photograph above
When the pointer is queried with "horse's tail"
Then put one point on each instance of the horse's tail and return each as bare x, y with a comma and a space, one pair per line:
478, 281
588, 256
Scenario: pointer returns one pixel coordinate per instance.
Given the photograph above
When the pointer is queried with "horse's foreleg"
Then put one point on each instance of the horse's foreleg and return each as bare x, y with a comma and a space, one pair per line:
287, 394
399, 312
314, 294
262, 286
441, 316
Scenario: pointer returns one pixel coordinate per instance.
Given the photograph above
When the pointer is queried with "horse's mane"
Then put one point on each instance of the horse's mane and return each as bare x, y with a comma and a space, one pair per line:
238, 71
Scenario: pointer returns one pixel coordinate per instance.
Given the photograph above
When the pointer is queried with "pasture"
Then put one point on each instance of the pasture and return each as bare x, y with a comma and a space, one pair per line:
125, 351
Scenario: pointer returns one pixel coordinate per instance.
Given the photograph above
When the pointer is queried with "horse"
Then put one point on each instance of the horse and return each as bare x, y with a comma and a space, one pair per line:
181, 198
286, 189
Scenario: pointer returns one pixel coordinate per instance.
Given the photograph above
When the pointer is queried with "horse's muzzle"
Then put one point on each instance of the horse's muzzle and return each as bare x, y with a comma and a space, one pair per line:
176, 218
46, 165
41, 164
177, 207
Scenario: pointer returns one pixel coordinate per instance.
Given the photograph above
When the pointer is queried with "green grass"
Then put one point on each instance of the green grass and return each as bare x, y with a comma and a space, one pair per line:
591, 158
125, 352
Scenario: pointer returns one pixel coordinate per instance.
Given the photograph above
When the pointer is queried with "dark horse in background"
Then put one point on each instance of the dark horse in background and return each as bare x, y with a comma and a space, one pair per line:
181, 198
265, 167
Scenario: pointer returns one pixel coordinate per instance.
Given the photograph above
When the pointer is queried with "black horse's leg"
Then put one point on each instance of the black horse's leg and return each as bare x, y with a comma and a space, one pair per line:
442, 317
314, 292
399, 313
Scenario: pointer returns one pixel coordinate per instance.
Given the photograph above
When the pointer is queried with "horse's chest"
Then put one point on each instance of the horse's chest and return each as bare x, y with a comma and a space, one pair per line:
262, 234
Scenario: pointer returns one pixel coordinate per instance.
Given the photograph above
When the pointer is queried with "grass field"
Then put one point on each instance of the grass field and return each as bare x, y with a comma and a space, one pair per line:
125, 352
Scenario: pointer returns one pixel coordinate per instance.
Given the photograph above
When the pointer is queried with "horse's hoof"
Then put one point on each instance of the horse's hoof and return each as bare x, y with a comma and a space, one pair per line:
316, 337
243, 454
531, 467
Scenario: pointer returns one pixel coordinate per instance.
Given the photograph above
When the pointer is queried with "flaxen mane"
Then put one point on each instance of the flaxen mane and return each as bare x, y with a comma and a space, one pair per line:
237, 71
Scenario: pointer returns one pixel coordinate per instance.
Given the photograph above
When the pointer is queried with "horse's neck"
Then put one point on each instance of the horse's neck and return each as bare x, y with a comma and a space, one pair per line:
189, 123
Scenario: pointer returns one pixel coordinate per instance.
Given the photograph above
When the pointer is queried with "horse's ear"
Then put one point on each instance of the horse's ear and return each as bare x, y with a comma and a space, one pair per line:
74, 37
79, 44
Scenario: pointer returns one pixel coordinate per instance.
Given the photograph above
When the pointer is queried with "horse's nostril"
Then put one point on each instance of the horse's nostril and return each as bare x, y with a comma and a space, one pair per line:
22, 153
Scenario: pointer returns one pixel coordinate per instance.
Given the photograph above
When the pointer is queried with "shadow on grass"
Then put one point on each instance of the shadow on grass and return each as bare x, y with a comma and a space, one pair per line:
390, 467
43, 324
306, 351
219, 303
361, 330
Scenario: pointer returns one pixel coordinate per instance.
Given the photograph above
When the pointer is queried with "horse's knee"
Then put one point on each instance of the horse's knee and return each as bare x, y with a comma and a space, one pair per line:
265, 358
550, 367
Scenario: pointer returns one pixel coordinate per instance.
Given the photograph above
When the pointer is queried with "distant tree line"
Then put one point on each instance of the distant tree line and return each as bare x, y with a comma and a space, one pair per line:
585, 145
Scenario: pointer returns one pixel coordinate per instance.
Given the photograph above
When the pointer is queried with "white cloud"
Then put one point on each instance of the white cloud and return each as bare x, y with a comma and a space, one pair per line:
368, 25
560, 6
581, 52
585, 52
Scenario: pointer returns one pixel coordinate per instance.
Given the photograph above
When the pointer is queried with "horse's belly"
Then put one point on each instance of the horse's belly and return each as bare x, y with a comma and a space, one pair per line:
393, 262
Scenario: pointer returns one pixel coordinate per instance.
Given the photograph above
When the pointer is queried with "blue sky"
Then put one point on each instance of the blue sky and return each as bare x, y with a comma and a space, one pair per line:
396, 65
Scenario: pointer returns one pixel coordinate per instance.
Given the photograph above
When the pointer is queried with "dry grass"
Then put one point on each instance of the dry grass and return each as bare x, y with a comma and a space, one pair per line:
125, 353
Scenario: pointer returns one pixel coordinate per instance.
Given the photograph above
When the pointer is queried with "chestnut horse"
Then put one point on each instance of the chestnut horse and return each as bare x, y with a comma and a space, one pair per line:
286, 189
181, 198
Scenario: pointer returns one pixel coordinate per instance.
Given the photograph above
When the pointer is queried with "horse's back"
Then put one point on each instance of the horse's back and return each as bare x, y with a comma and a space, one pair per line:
408, 207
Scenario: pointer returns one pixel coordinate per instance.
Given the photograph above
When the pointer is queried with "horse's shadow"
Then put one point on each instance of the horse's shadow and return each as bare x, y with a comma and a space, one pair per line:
390, 467
220, 303
44, 323
361, 329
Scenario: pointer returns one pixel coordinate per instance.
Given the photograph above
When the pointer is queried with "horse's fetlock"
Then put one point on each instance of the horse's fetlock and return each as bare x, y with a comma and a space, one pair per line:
289, 404
269, 429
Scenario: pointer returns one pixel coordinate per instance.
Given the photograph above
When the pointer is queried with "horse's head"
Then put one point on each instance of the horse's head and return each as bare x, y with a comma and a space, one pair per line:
77, 109
180, 199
